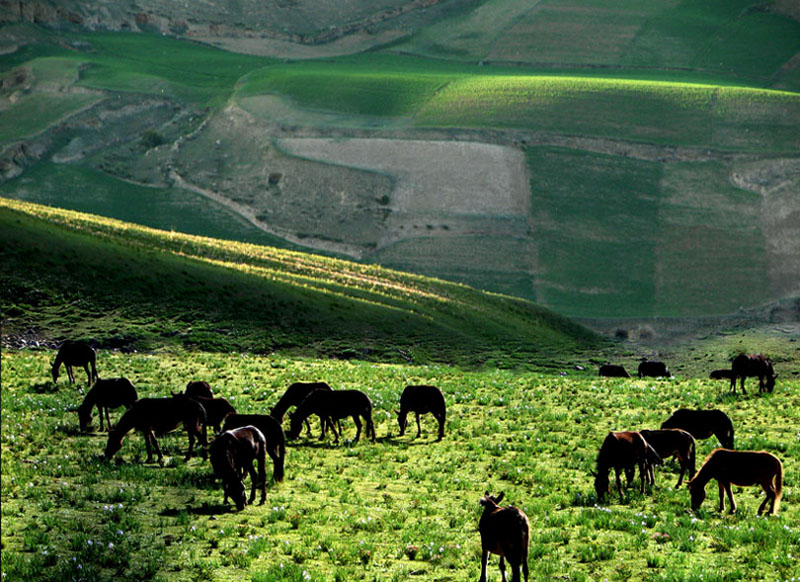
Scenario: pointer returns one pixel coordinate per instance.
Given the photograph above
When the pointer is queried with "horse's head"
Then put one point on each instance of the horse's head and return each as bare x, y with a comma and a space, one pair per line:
402, 421
84, 418
601, 484
236, 492
54, 368
295, 425
698, 493
770, 382
113, 445
489, 500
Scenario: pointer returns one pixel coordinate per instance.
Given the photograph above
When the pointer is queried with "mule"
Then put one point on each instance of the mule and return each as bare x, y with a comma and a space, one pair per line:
653, 369
153, 416
334, 405
505, 532
421, 400
106, 394
701, 424
613, 371
294, 395
232, 454
622, 451
199, 388
753, 365
72, 353
743, 468
672, 442
273, 434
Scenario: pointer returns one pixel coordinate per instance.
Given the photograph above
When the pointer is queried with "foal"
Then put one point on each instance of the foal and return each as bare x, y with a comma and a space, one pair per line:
232, 454
154, 416
75, 354
739, 468
273, 435
504, 531
106, 394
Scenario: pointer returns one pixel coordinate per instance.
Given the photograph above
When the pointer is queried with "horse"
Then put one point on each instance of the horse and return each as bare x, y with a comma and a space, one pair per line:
154, 416
232, 454
334, 405
505, 532
419, 400
75, 353
622, 451
273, 434
753, 365
743, 468
701, 424
216, 408
723, 374
653, 369
106, 394
294, 395
672, 442
198, 388
613, 371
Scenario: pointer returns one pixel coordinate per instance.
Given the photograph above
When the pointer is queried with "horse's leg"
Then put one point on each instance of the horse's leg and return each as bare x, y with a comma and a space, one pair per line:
419, 430
503, 568
619, 484
69, 373
742, 386
770, 491
88, 374
484, 560
440, 420
514, 570
253, 481
730, 497
147, 435
358, 427
370, 427
643, 469
190, 430
308, 427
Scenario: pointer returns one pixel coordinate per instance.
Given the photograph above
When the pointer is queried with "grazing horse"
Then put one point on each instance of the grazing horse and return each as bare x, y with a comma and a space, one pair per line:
216, 408
419, 400
672, 442
622, 451
701, 424
273, 434
741, 468
750, 365
653, 369
613, 371
232, 454
72, 353
294, 395
106, 394
723, 374
334, 405
154, 416
504, 531
199, 388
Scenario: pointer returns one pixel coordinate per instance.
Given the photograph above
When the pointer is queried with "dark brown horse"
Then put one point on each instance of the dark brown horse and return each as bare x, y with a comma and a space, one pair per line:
723, 374
505, 532
753, 365
743, 468
293, 396
273, 435
153, 416
232, 454
701, 424
613, 371
622, 451
653, 369
199, 388
334, 405
216, 409
672, 442
107, 393
420, 400
72, 353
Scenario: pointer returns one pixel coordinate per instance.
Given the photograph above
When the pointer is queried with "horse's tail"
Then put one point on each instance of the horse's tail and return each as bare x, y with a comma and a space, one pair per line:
778, 488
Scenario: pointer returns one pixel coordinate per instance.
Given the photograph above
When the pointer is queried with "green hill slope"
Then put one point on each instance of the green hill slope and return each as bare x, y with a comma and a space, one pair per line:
66, 274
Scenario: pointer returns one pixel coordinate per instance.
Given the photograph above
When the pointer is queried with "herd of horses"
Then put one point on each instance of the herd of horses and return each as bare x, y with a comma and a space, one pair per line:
243, 441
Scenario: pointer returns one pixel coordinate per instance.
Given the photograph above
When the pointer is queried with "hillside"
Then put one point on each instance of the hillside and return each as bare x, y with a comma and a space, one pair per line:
649, 170
66, 274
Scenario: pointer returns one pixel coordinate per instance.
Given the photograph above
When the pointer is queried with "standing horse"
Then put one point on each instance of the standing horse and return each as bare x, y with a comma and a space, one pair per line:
199, 388
419, 400
72, 353
232, 454
273, 434
334, 405
701, 424
741, 468
294, 395
504, 531
753, 365
216, 408
106, 394
672, 442
622, 451
159, 416
613, 371
653, 369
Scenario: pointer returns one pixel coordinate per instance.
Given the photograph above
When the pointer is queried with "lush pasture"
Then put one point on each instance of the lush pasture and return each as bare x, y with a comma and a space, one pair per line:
400, 508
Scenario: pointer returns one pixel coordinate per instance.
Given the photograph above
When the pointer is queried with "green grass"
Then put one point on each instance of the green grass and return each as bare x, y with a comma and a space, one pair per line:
213, 294
399, 508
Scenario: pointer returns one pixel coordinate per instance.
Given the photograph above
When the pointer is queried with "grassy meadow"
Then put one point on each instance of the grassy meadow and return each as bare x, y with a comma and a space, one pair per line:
398, 509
